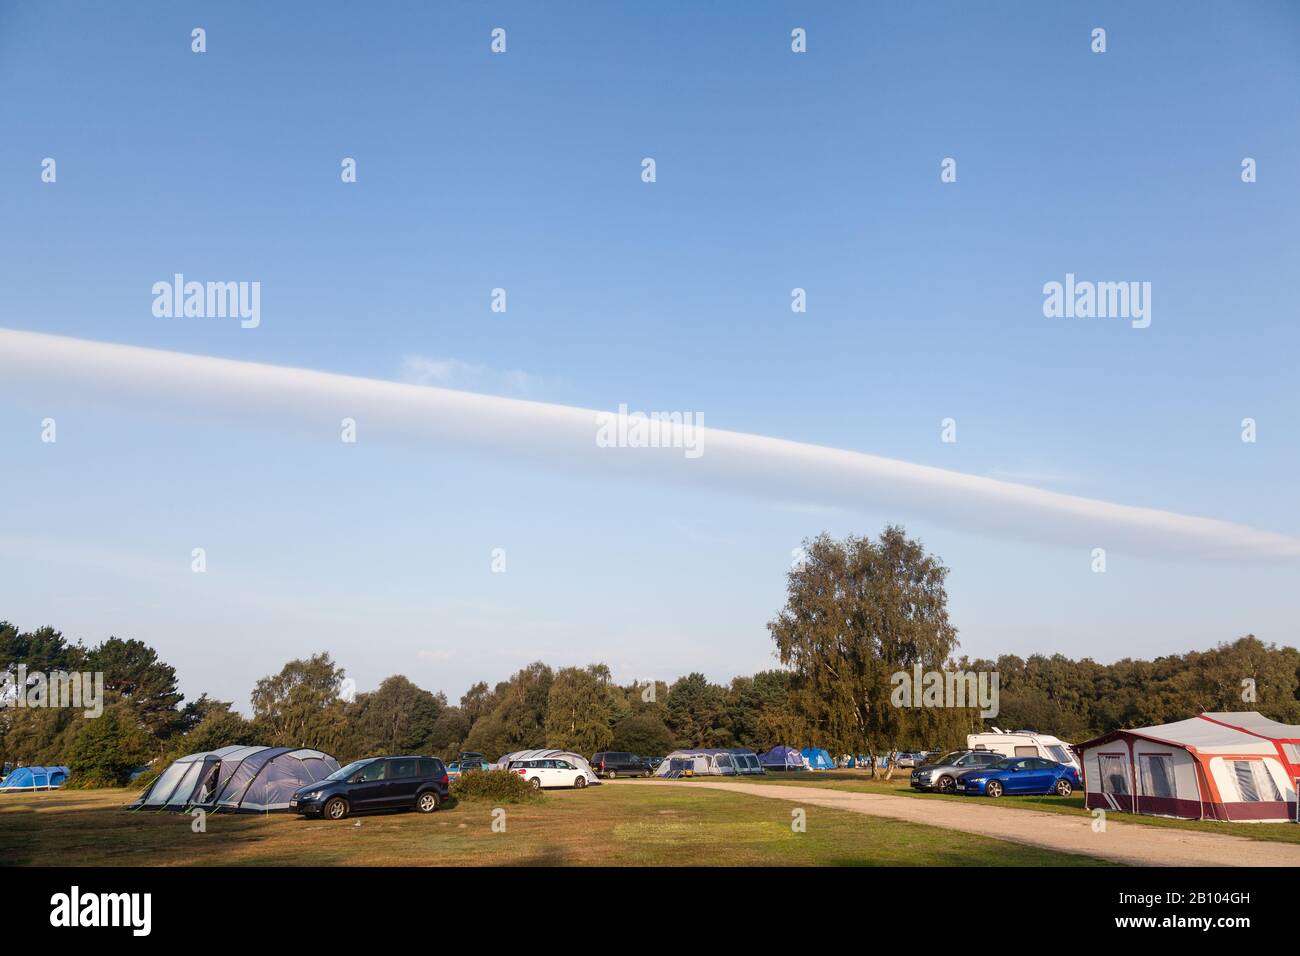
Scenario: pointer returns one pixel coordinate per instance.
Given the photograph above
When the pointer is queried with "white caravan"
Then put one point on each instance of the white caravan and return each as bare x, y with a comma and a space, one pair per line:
1024, 743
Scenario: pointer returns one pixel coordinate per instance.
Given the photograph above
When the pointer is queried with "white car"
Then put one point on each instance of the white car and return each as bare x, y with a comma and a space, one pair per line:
550, 773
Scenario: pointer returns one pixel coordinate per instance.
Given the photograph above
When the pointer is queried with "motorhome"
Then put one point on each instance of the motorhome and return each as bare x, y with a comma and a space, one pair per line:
1024, 743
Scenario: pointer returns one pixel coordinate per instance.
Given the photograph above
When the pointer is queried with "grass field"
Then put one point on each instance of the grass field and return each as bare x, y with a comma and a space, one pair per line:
611, 825
859, 781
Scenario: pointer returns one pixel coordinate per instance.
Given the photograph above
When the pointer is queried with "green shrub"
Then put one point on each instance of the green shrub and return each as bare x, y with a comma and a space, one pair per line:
496, 786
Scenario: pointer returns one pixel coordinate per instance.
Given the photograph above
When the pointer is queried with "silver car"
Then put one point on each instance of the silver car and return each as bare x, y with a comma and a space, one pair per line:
942, 774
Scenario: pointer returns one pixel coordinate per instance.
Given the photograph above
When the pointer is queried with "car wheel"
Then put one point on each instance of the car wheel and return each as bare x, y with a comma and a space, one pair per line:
946, 784
579, 782
1063, 788
336, 809
994, 789
612, 774
535, 783
427, 802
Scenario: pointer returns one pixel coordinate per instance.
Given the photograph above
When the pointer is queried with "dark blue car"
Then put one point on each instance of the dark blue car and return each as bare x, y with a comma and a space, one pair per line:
376, 783
1019, 775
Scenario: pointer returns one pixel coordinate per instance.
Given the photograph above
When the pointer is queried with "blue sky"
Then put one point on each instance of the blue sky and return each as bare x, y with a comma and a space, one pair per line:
522, 171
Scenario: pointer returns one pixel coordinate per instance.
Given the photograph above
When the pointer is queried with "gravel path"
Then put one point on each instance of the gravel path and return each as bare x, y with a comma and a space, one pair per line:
1129, 843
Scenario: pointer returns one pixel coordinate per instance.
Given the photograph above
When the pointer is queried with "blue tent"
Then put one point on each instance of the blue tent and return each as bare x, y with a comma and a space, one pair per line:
34, 778
781, 758
818, 759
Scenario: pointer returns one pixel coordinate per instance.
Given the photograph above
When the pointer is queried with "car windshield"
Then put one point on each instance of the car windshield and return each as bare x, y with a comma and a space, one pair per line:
344, 772
948, 759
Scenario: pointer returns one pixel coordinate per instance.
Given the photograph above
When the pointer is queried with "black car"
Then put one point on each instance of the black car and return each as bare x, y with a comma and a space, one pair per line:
612, 764
376, 783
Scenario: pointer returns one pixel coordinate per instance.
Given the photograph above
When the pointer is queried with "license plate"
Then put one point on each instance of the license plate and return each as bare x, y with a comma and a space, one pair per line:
293, 803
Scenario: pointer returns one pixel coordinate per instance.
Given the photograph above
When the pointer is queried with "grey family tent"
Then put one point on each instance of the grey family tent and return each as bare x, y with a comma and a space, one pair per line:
702, 762
248, 779
782, 758
34, 778
818, 759
745, 761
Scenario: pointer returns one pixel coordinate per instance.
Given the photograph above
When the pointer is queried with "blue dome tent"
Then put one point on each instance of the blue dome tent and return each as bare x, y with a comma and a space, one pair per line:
782, 758
34, 778
818, 759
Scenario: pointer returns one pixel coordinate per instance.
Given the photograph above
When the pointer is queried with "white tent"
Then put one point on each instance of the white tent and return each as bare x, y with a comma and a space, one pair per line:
1199, 768
578, 760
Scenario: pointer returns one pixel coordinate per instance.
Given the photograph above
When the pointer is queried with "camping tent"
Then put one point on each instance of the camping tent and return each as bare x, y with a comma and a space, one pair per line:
704, 762
1285, 737
745, 761
782, 758
34, 778
578, 760
253, 779
817, 758
1197, 769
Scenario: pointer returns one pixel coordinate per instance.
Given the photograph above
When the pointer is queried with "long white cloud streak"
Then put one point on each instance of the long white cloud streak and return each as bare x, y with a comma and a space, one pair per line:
566, 436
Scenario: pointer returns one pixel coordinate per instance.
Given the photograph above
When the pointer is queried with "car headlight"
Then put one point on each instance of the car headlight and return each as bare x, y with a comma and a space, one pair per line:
977, 779
314, 795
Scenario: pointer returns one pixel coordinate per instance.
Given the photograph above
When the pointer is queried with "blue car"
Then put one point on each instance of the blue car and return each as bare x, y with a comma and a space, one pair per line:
1019, 775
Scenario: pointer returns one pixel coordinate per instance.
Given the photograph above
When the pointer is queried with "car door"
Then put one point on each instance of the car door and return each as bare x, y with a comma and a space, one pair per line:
402, 782
968, 762
1041, 774
368, 787
1012, 780
1022, 778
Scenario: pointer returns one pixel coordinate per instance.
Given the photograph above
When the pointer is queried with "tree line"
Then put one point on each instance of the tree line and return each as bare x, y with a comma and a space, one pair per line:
858, 612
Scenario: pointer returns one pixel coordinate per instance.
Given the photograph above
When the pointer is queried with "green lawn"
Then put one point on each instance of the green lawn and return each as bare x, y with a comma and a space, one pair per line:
861, 782
611, 825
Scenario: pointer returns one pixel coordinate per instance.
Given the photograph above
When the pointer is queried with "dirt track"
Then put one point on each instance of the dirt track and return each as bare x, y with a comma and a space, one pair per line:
1129, 843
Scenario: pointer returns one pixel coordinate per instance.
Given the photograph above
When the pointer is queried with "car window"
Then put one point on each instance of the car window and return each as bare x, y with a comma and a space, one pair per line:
372, 772
401, 769
345, 773
564, 765
986, 760
970, 760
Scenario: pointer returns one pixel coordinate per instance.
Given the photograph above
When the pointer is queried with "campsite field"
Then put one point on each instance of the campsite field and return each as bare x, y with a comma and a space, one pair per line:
856, 781
610, 825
